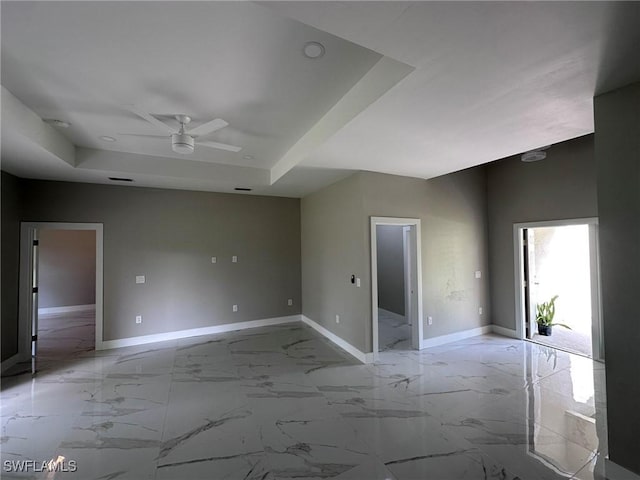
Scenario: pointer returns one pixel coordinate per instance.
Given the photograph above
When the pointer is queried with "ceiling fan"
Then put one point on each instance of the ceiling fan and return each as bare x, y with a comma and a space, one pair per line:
184, 141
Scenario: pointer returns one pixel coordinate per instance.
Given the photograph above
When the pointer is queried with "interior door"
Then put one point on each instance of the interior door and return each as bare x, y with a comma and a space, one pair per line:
597, 338
412, 251
34, 300
529, 282
408, 284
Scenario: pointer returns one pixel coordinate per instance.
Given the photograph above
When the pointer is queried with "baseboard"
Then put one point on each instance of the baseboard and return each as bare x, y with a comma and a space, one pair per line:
344, 345
194, 332
505, 332
454, 337
67, 309
9, 362
614, 471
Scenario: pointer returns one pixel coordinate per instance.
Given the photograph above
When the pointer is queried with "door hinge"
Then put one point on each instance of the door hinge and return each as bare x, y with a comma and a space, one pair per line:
34, 338
36, 243
34, 290
524, 284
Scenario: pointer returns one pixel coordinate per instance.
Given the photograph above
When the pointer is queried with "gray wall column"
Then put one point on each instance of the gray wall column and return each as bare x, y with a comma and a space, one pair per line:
617, 147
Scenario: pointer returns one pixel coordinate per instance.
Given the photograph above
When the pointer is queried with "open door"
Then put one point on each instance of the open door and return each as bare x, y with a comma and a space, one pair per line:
34, 299
409, 275
560, 260
529, 274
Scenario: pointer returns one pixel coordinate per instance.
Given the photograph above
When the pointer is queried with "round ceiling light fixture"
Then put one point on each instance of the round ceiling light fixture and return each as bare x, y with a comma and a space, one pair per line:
313, 50
533, 156
107, 138
57, 123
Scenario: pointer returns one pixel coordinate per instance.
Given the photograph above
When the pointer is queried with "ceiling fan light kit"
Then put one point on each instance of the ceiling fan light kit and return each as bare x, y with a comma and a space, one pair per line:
182, 143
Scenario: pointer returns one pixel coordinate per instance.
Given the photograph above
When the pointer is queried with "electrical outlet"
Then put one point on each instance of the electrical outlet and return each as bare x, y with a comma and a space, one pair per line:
480, 310
214, 259
337, 318
234, 259
478, 274
429, 320
138, 318
140, 279
290, 302
235, 308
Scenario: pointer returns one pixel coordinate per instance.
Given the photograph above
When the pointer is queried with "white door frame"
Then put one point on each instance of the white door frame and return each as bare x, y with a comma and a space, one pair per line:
27, 234
416, 257
596, 307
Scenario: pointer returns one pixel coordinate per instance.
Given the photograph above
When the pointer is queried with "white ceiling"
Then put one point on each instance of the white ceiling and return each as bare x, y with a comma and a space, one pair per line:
491, 79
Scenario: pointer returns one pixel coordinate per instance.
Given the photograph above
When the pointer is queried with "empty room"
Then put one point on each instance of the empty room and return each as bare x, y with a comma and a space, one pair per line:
320, 240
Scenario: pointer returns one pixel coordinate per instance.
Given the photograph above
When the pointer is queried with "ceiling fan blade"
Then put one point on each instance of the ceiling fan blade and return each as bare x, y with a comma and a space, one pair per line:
150, 118
219, 146
208, 127
143, 135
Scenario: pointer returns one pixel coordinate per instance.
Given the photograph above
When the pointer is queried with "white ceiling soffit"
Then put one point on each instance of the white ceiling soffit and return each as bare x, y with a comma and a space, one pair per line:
84, 62
492, 79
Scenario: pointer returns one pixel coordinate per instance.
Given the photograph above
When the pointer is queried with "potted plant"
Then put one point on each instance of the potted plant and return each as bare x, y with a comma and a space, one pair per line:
544, 316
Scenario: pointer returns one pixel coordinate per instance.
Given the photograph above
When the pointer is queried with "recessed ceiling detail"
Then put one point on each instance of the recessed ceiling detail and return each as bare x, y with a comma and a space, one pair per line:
410, 88
80, 61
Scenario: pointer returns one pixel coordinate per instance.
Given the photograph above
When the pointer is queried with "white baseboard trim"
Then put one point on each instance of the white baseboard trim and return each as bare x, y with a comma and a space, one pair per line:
194, 332
505, 332
9, 362
614, 471
67, 309
454, 337
344, 345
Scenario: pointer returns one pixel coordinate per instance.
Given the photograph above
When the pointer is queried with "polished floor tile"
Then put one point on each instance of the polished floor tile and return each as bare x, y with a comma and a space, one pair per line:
282, 402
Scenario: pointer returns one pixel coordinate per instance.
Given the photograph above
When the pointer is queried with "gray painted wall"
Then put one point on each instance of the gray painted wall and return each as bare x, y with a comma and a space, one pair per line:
66, 268
170, 236
336, 244
562, 186
11, 201
617, 147
453, 215
390, 257
333, 236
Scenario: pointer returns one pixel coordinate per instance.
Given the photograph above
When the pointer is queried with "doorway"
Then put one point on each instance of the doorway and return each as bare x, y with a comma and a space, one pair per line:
396, 284
60, 292
559, 269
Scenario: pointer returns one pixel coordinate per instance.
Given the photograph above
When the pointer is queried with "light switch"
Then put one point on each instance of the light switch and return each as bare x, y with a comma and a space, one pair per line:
138, 318
290, 302
214, 259
234, 259
478, 274
140, 279
358, 282
235, 308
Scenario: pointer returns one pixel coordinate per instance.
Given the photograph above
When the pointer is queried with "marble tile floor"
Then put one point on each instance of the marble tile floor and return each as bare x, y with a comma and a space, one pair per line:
394, 333
282, 402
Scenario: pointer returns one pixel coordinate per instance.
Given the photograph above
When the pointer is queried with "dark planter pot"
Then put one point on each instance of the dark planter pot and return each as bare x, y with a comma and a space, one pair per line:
544, 330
